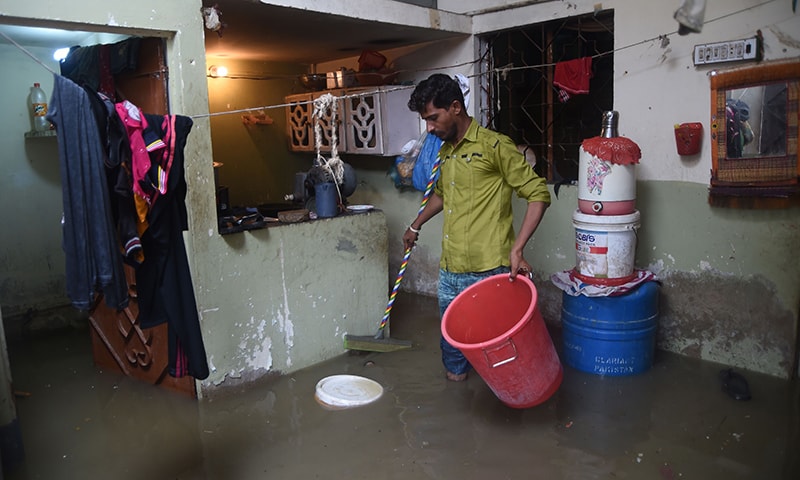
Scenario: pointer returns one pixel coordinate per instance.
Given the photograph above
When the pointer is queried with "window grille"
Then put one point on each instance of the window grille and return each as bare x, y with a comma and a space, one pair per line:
518, 98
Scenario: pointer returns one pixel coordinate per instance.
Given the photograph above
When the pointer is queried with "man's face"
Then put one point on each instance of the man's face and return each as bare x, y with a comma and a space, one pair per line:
441, 121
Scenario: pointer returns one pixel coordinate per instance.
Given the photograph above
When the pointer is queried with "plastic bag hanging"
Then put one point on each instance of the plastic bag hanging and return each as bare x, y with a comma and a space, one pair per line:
690, 16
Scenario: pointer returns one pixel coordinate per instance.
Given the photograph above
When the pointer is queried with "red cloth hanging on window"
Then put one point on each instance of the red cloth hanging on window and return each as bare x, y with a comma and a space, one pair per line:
573, 75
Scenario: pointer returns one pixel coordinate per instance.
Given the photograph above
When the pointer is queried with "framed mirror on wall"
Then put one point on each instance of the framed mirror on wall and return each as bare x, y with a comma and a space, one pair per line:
754, 131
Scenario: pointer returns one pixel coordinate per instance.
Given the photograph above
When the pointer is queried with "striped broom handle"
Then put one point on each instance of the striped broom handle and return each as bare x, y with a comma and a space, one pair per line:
404, 263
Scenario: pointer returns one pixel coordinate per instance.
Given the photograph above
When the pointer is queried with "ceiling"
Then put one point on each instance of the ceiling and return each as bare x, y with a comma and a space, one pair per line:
256, 31
30, 36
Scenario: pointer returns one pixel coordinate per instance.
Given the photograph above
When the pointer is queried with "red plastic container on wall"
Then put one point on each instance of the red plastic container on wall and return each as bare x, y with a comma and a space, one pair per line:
688, 137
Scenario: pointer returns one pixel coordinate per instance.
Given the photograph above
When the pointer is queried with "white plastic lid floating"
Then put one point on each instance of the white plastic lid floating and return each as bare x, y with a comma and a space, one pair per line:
345, 391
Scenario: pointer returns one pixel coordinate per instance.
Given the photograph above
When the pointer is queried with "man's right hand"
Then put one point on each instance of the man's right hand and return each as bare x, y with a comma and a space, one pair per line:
410, 239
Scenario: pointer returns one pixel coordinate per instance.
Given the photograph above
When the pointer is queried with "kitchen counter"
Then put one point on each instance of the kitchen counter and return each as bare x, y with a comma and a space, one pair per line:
241, 219
285, 295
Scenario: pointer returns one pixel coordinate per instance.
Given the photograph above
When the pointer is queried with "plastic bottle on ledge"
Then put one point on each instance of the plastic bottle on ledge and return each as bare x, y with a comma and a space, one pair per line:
39, 108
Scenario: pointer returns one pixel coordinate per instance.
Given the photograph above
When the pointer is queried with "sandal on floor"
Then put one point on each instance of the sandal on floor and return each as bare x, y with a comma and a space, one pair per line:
735, 385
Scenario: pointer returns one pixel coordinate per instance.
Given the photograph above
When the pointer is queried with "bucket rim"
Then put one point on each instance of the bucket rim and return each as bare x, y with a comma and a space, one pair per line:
603, 281
527, 317
580, 217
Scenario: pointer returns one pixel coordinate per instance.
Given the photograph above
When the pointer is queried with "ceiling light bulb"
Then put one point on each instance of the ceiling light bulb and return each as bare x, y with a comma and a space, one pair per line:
218, 71
60, 54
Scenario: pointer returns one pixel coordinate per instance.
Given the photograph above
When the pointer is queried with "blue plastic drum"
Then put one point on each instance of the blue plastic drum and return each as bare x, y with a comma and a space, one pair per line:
612, 336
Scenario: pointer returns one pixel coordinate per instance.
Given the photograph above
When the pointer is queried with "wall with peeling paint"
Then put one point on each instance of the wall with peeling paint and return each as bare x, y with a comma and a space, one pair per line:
271, 301
731, 278
279, 299
283, 298
31, 259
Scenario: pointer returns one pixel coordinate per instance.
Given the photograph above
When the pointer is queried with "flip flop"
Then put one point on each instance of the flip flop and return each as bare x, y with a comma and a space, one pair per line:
735, 385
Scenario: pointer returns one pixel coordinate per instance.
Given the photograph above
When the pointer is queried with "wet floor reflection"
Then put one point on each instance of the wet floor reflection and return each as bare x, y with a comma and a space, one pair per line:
671, 422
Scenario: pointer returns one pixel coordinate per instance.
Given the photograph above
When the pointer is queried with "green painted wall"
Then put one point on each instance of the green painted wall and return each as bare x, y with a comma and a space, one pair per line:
31, 259
729, 277
282, 298
256, 166
271, 301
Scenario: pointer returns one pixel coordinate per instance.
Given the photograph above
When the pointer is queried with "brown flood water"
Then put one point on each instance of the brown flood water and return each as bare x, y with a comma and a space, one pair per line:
671, 422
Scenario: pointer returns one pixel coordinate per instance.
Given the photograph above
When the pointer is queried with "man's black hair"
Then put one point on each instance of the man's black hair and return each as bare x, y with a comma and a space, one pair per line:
439, 89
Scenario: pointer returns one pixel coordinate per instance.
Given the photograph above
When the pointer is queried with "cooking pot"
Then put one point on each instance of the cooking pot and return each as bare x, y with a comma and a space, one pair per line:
313, 81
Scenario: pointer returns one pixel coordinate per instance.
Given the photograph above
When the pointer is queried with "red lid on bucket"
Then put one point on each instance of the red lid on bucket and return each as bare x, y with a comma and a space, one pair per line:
617, 150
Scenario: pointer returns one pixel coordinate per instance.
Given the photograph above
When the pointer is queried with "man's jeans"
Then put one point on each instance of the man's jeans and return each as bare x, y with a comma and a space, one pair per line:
450, 285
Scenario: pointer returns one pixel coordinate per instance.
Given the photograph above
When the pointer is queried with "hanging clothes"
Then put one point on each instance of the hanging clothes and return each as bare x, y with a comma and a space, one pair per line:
143, 141
572, 77
117, 148
96, 65
93, 262
163, 280
96, 157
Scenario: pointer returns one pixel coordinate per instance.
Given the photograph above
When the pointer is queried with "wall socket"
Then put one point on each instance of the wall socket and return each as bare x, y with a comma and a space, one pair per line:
731, 51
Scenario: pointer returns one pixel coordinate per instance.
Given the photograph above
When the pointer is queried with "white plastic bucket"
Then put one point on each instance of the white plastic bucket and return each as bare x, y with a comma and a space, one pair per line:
605, 188
605, 247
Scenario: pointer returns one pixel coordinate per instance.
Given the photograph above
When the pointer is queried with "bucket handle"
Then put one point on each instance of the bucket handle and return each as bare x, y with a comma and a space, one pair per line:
494, 362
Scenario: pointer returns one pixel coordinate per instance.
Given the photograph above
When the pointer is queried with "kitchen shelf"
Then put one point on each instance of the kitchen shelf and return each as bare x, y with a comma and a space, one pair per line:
257, 119
371, 121
36, 134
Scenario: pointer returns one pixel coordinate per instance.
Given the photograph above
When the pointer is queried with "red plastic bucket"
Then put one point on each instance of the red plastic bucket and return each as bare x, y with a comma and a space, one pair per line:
497, 325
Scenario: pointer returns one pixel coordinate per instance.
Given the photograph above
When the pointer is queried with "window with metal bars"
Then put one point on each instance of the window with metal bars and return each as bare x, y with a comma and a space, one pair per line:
518, 96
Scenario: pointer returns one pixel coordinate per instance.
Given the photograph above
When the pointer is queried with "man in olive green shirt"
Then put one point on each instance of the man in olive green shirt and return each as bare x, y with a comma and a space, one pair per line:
479, 170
